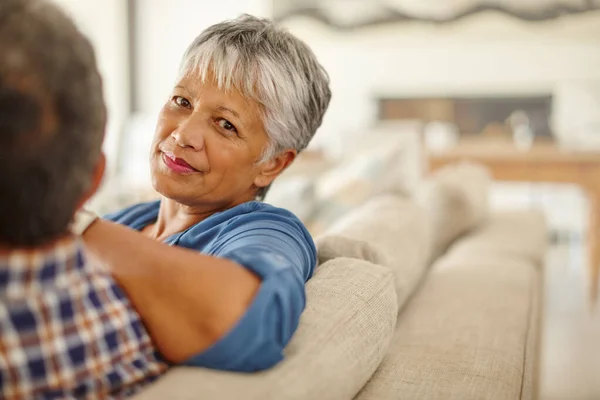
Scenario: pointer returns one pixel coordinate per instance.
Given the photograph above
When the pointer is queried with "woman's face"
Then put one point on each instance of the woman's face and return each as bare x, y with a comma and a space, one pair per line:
207, 144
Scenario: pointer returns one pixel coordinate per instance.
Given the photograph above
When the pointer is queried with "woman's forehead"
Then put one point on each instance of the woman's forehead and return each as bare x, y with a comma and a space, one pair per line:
196, 84
228, 74
208, 91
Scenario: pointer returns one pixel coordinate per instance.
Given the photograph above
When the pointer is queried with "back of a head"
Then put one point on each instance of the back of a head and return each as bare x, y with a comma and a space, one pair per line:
52, 121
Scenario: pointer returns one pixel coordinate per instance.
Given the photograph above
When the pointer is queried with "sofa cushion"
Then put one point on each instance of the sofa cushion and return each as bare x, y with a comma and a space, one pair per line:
456, 200
295, 194
332, 246
517, 234
295, 188
471, 332
397, 236
355, 181
344, 334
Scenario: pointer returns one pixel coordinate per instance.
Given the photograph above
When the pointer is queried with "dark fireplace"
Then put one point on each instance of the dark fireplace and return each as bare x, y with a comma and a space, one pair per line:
473, 115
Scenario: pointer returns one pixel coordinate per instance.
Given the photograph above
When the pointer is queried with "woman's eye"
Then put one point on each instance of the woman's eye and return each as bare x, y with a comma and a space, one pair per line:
182, 102
228, 126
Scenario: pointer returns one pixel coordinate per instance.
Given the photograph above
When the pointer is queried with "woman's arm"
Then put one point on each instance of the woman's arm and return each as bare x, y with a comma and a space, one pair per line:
187, 300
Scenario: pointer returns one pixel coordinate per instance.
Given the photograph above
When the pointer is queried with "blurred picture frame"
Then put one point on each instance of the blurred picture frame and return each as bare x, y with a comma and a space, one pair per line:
353, 14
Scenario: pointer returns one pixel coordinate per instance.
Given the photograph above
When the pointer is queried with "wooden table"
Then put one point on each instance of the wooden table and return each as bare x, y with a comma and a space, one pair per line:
545, 162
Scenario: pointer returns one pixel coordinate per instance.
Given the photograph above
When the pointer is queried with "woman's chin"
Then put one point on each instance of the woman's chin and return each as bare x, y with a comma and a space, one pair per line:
175, 189
166, 185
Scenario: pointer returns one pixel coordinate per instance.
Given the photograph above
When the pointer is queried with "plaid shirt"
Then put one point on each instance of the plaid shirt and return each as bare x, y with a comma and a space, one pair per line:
67, 330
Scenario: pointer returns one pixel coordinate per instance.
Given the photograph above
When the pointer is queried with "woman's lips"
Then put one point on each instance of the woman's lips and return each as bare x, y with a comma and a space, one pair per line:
177, 165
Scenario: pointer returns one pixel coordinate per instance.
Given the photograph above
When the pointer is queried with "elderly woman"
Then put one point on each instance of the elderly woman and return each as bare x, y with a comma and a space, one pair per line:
216, 275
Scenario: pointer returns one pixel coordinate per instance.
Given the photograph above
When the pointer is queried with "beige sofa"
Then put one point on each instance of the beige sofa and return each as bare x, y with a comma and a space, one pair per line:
431, 297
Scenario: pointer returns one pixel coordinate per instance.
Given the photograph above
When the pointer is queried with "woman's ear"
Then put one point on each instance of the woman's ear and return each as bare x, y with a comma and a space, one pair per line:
97, 176
270, 169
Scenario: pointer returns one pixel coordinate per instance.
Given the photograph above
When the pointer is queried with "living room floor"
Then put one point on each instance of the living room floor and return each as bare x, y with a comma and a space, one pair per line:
570, 355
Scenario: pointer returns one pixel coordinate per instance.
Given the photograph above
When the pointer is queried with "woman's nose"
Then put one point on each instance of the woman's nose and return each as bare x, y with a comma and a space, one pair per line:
189, 135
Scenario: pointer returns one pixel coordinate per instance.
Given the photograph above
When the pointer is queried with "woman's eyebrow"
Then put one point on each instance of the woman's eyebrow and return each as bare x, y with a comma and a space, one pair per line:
185, 89
229, 110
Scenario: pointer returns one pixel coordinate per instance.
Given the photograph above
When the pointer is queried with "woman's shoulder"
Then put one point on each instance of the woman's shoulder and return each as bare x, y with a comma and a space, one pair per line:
136, 216
253, 207
255, 226
259, 214
251, 219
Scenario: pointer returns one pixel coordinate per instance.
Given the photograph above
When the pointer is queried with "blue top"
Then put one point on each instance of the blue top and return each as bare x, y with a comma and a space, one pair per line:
272, 243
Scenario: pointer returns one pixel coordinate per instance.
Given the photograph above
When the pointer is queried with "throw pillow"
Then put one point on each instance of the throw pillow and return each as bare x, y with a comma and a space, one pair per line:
456, 200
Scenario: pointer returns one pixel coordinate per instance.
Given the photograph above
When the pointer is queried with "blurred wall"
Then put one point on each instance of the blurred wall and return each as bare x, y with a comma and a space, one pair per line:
488, 54
105, 24
164, 30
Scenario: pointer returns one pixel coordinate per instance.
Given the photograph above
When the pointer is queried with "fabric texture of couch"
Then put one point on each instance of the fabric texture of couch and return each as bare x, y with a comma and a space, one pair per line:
396, 228
471, 330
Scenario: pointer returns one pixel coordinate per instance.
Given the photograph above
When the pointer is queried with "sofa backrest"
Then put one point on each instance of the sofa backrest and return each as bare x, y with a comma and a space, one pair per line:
387, 230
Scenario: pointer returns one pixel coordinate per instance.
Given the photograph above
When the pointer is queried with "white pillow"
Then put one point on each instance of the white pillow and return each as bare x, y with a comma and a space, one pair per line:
295, 194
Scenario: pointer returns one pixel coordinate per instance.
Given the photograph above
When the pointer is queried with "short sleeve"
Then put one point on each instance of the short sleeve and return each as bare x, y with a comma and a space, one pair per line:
281, 252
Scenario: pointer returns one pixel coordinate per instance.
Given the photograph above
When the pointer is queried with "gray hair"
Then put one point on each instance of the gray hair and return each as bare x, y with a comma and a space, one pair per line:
52, 120
269, 65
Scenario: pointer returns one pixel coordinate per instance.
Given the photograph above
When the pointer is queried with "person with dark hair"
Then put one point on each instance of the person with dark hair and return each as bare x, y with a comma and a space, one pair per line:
67, 330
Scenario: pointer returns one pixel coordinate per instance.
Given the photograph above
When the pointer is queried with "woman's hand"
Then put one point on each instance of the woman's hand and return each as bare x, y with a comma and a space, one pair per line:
186, 299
